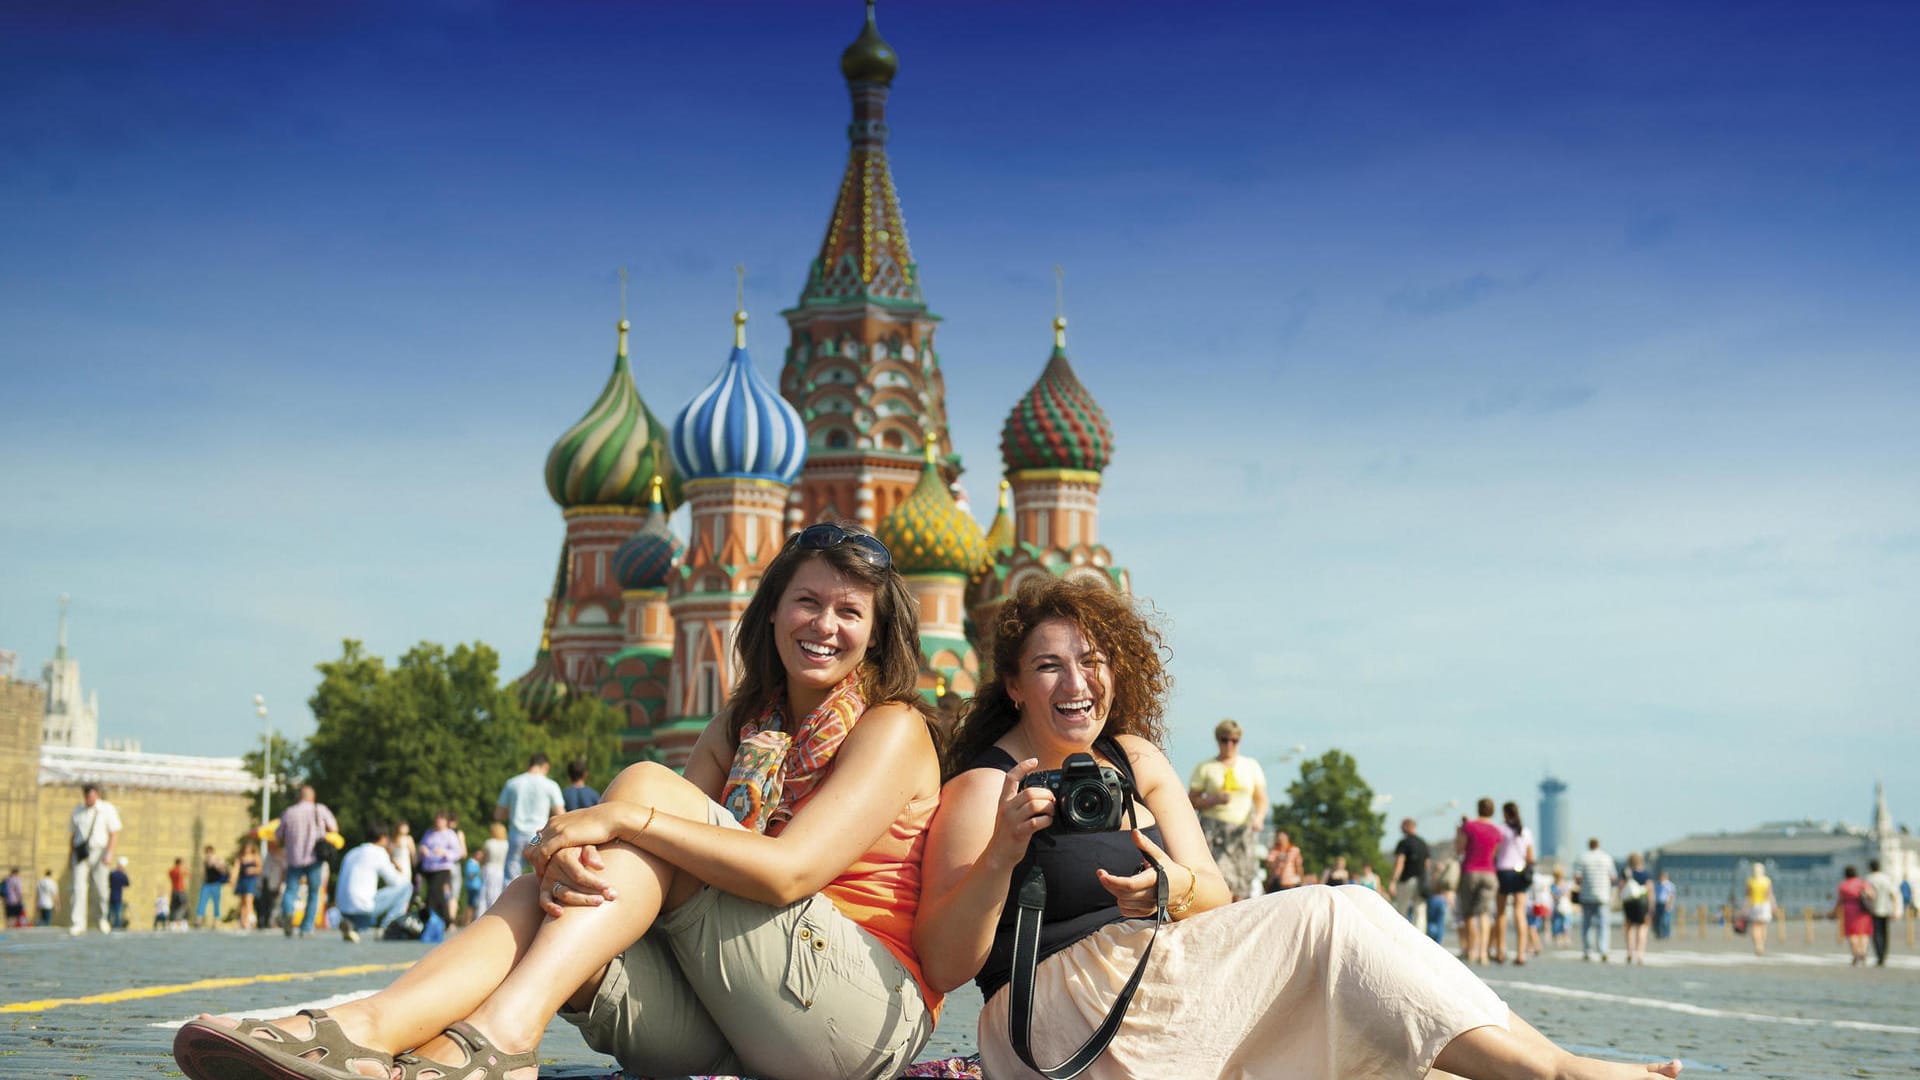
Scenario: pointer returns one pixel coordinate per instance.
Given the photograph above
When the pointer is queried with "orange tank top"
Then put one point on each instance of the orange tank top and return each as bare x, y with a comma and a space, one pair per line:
880, 892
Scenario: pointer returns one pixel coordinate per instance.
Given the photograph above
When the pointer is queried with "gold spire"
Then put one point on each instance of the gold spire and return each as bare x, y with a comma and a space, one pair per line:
624, 324
1059, 307
654, 494
939, 687
1004, 488
739, 305
546, 641
933, 446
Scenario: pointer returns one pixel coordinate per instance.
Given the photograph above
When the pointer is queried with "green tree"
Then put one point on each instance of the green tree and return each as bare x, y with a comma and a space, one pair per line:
582, 728
1329, 811
288, 770
436, 731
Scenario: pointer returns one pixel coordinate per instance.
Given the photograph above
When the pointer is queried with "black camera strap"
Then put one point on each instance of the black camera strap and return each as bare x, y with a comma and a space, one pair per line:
1026, 955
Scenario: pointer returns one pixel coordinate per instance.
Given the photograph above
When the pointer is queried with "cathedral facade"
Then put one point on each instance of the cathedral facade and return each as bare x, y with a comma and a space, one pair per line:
854, 428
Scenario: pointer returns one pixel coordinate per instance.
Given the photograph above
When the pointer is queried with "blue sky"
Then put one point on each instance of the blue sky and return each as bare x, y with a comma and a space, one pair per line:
1495, 387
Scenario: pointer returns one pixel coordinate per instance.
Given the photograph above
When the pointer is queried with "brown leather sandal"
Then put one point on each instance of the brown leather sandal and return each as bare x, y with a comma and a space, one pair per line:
212, 1052
485, 1061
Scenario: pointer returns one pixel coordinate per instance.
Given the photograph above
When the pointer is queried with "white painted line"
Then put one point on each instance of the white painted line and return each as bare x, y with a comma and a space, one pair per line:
1702, 1010
275, 1012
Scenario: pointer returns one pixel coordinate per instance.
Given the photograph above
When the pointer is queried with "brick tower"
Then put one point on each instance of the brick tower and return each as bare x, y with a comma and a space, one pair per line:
861, 366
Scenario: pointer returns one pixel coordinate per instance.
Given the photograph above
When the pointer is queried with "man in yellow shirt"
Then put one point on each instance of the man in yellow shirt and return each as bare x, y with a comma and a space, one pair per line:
1230, 793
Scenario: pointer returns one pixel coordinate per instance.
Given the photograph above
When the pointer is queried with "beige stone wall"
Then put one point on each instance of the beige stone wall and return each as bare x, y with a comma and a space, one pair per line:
21, 706
158, 827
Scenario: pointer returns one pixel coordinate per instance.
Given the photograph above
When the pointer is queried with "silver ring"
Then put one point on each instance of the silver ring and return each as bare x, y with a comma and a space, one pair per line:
556, 890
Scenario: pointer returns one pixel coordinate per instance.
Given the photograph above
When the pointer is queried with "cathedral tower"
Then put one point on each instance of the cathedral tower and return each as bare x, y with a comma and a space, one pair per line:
861, 366
739, 446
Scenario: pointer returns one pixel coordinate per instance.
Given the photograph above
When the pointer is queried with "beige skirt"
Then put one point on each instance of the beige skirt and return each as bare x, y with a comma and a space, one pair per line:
1313, 982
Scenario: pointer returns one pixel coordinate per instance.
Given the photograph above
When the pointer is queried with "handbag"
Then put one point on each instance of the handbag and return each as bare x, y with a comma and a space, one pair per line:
1026, 954
84, 846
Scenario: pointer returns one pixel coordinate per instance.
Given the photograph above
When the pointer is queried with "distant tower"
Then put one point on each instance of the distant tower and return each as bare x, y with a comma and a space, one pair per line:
639, 674
1555, 841
1055, 444
69, 720
860, 366
739, 445
600, 471
1884, 832
937, 546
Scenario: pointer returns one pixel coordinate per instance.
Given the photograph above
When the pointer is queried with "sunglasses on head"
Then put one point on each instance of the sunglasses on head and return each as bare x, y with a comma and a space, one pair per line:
828, 535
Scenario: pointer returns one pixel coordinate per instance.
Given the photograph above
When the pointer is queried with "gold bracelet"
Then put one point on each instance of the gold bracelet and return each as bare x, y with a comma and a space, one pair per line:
1178, 909
651, 810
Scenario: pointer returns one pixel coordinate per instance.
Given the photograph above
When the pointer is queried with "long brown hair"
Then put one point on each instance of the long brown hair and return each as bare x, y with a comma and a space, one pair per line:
1136, 660
890, 671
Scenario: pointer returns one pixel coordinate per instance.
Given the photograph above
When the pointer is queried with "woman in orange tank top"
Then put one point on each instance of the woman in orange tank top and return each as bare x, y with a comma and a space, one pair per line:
779, 879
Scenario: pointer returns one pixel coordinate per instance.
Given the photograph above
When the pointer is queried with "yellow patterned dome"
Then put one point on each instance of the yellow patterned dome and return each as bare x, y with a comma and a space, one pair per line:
929, 533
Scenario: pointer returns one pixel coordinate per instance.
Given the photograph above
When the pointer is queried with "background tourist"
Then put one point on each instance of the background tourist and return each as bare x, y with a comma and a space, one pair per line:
1849, 906
371, 890
47, 893
1230, 792
246, 884
441, 852
577, 795
406, 854
1513, 869
525, 804
117, 883
15, 891
213, 881
94, 834
1760, 904
493, 866
1593, 874
1283, 864
303, 828
1409, 874
1443, 892
177, 895
1478, 841
1636, 900
1664, 892
1883, 899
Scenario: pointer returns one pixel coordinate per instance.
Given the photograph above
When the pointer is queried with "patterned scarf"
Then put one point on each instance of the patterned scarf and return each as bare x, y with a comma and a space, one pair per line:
774, 770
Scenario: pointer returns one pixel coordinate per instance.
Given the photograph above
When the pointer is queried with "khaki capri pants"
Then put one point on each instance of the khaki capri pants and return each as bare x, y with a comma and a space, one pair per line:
723, 984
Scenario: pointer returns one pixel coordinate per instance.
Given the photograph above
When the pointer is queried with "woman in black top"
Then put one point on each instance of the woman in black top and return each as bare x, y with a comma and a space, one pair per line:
1310, 982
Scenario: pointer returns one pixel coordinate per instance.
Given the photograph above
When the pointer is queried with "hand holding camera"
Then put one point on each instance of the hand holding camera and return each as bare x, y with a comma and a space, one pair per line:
1088, 796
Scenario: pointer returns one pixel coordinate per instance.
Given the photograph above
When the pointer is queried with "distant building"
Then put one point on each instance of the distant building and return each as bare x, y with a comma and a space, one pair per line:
1556, 843
71, 719
172, 805
1805, 859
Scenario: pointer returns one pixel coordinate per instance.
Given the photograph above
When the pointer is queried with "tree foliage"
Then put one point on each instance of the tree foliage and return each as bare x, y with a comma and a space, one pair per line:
287, 771
1329, 811
435, 731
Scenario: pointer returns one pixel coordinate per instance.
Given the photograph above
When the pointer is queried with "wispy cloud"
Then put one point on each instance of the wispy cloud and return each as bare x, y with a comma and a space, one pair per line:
1452, 296
1525, 399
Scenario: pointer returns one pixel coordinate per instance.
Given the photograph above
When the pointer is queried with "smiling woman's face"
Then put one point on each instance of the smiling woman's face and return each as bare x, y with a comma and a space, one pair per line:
821, 628
1063, 688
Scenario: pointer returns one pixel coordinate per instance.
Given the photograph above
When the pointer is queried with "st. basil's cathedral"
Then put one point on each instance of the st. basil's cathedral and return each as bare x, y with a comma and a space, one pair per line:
857, 430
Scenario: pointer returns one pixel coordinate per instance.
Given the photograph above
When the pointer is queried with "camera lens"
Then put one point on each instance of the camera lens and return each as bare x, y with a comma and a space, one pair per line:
1089, 805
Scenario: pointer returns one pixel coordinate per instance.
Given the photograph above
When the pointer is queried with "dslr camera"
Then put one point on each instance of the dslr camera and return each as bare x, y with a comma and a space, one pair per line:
1087, 796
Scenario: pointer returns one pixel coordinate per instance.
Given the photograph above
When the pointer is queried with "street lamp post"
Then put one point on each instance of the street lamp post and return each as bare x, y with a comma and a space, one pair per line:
266, 760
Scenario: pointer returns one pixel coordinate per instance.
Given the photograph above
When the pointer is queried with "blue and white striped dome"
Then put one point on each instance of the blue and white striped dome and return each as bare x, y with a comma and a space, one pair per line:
739, 426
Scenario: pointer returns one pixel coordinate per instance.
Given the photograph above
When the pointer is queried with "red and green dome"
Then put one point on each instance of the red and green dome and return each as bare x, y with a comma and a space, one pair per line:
928, 533
1057, 425
611, 454
645, 559
542, 690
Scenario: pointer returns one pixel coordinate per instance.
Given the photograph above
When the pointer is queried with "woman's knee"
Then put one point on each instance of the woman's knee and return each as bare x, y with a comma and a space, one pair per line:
650, 783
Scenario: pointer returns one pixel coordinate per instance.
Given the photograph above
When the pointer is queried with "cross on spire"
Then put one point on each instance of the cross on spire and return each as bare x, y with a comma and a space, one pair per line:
739, 305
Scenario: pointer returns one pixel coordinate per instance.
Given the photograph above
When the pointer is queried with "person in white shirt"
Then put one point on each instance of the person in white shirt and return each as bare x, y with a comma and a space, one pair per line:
1594, 872
526, 802
1883, 899
372, 891
95, 833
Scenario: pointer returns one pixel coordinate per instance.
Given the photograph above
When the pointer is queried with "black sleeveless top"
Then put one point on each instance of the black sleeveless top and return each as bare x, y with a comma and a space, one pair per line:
1076, 903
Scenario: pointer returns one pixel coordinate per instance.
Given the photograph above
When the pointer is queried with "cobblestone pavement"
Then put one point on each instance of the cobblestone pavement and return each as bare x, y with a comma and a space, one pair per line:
105, 1006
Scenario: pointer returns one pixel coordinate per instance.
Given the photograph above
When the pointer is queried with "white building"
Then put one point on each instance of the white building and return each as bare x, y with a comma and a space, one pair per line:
71, 720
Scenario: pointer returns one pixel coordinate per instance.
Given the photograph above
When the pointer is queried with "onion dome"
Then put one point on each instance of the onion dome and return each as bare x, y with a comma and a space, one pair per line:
607, 458
541, 690
643, 561
1000, 533
869, 58
739, 426
928, 533
1057, 425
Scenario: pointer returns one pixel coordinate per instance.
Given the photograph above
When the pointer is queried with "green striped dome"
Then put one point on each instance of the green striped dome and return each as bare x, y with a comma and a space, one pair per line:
610, 456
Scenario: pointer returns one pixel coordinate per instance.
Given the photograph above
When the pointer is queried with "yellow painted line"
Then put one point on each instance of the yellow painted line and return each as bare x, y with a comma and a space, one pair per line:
139, 992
